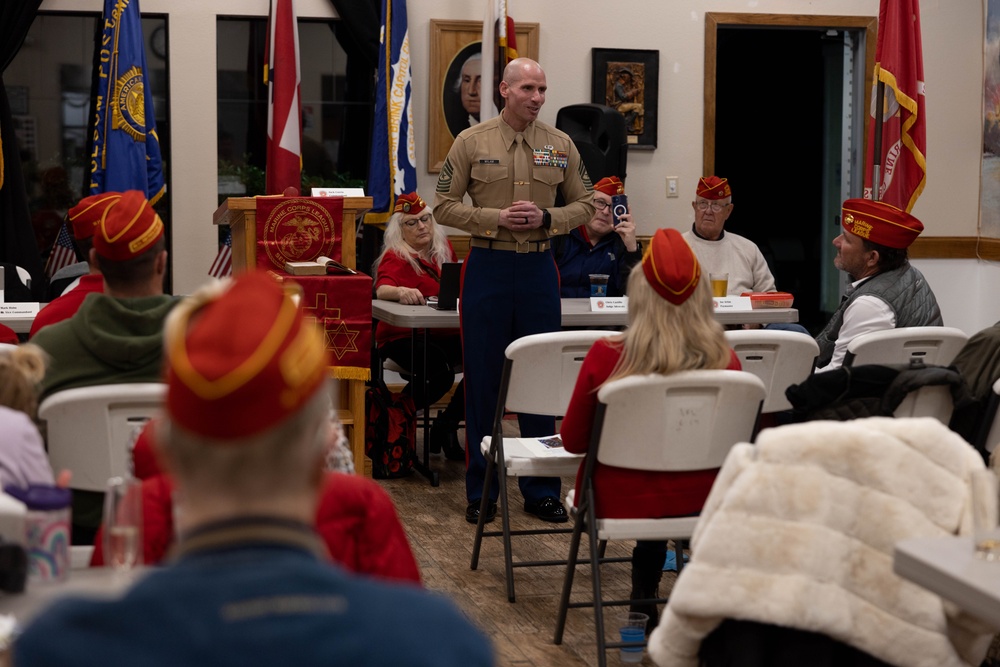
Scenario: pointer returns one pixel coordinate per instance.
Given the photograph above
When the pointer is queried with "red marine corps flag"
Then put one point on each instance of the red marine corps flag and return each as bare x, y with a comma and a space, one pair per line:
498, 39
899, 162
284, 131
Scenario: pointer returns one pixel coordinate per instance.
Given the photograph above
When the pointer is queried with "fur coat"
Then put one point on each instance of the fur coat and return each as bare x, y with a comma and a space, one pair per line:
799, 529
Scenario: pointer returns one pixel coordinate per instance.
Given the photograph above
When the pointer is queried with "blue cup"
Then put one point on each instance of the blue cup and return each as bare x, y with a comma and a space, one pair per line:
633, 629
598, 284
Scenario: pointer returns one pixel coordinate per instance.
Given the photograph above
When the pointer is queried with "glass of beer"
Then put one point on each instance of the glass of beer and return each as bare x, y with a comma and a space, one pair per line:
720, 284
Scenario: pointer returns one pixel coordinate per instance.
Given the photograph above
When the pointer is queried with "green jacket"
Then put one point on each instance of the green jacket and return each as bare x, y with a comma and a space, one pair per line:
107, 341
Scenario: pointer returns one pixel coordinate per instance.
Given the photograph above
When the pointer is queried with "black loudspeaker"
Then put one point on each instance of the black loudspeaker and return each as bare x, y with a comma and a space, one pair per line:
599, 134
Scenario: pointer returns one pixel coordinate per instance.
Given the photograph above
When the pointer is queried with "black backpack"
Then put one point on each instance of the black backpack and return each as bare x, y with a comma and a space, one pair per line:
390, 434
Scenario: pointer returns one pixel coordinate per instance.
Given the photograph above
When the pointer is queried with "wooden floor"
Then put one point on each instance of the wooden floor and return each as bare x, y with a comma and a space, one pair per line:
522, 631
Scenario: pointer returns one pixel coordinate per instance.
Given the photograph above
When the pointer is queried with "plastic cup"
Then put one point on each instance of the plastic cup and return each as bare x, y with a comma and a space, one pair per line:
598, 284
47, 531
985, 491
633, 629
720, 284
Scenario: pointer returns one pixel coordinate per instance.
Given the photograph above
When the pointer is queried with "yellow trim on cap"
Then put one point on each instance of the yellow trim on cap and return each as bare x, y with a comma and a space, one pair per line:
127, 227
869, 215
652, 263
242, 374
97, 202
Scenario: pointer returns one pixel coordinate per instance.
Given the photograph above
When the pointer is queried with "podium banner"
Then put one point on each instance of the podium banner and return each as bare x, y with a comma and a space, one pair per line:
298, 229
342, 306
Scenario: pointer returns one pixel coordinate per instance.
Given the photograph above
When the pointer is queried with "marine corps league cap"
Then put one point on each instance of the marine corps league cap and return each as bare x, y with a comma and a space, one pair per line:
713, 187
129, 228
610, 185
410, 203
880, 223
240, 359
670, 266
86, 215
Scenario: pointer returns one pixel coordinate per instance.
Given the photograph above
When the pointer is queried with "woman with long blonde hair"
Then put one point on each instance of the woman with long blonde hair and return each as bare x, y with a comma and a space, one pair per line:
671, 329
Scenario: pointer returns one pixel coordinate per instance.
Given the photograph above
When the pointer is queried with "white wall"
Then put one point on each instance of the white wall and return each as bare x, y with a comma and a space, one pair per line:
569, 29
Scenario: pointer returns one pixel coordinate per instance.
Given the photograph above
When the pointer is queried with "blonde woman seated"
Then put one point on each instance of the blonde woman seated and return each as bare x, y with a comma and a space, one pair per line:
408, 271
671, 329
22, 455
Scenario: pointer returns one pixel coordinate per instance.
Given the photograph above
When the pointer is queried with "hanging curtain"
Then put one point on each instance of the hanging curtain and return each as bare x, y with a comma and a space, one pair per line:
17, 240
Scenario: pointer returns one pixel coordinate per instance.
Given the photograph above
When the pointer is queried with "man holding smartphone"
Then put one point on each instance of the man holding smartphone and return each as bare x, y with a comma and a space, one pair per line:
606, 245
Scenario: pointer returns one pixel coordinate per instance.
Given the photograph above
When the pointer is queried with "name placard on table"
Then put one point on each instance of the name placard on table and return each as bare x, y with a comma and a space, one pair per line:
602, 304
730, 303
26, 309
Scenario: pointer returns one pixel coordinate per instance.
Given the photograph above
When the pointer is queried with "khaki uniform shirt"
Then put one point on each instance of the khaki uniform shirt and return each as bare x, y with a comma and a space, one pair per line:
481, 163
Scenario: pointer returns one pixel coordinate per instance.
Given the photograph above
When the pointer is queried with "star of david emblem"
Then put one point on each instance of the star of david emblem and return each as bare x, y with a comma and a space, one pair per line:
340, 340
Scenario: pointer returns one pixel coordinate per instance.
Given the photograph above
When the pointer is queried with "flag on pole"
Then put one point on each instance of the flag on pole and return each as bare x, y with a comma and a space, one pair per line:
899, 64
284, 107
500, 41
393, 167
223, 264
63, 252
126, 150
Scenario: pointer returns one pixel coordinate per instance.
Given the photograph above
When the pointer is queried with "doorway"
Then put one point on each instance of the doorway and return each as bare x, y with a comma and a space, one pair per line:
785, 119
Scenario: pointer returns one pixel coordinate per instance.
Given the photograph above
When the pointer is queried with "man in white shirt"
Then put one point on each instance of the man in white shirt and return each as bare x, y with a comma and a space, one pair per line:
886, 292
719, 251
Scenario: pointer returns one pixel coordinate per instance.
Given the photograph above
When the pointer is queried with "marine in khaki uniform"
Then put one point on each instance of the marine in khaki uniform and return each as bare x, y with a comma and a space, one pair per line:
511, 167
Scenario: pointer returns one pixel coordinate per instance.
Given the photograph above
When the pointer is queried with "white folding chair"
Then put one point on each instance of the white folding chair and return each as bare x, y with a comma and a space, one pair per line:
538, 378
680, 422
91, 430
779, 358
935, 346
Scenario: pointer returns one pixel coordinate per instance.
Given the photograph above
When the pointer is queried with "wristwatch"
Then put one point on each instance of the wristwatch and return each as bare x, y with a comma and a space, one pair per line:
546, 219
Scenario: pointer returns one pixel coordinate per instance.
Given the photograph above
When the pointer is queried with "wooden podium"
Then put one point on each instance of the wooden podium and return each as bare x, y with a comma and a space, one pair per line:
240, 214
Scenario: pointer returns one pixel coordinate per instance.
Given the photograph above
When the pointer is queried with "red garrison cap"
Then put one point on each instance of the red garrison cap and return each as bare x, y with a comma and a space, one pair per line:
670, 266
611, 186
713, 187
880, 223
409, 203
86, 216
128, 229
243, 361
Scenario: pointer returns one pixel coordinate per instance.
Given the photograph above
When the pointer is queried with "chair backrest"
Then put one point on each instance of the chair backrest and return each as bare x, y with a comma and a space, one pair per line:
779, 358
91, 430
991, 419
543, 369
931, 401
684, 421
935, 346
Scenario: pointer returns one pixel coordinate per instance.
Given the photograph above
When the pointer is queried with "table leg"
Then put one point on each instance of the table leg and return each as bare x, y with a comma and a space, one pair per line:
423, 466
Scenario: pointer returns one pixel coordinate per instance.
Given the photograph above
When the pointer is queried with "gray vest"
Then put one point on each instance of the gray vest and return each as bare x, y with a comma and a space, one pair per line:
906, 292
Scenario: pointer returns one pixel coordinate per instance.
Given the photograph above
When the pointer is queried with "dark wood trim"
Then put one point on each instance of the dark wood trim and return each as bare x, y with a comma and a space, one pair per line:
955, 247
714, 19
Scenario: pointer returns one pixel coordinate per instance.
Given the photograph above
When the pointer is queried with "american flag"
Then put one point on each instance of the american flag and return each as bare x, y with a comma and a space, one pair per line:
63, 253
223, 264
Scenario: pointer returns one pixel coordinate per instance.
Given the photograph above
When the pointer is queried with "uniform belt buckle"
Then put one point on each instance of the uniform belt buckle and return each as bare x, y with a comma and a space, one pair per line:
523, 247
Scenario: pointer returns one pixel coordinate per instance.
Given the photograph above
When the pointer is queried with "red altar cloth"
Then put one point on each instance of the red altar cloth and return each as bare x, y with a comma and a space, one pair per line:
342, 306
298, 229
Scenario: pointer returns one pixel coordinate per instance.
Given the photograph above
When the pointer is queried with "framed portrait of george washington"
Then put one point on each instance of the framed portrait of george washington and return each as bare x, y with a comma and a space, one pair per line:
455, 93
629, 80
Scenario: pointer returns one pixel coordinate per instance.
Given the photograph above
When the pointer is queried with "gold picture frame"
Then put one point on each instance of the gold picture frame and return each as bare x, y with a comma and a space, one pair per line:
452, 42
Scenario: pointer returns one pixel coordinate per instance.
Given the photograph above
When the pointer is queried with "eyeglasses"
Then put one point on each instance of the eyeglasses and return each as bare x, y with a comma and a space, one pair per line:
704, 205
600, 204
425, 218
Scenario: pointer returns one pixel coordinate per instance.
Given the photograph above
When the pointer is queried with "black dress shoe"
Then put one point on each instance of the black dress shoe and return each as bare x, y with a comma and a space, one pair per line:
547, 509
472, 511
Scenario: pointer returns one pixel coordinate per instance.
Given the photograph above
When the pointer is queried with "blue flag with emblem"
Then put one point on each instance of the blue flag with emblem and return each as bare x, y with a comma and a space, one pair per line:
126, 149
393, 167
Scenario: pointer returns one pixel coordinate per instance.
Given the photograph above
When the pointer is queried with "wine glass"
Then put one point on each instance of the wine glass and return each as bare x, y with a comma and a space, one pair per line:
123, 524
